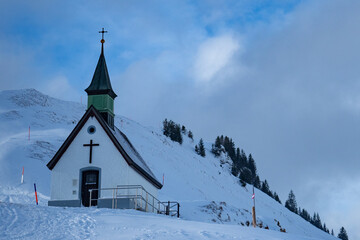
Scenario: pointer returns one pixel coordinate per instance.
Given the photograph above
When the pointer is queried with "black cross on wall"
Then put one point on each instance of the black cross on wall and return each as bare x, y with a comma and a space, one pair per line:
91, 145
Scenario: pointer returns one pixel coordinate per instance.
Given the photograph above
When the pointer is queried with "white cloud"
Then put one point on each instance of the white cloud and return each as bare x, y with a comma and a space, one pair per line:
340, 207
213, 55
59, 87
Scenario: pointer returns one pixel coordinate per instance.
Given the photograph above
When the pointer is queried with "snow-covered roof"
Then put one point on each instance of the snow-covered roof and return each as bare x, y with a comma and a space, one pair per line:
131, 151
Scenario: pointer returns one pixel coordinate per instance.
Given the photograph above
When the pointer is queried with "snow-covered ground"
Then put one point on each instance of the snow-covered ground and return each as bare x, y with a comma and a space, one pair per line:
213, 204
21, 221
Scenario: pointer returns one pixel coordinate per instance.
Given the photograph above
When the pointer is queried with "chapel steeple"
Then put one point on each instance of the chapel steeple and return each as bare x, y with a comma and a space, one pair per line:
100, 92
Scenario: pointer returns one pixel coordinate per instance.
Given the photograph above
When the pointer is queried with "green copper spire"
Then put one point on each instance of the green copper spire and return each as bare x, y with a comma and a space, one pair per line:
100, 92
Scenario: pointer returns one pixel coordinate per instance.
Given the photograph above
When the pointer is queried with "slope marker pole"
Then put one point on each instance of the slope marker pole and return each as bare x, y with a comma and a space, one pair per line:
22, 176
253, 209
36, 197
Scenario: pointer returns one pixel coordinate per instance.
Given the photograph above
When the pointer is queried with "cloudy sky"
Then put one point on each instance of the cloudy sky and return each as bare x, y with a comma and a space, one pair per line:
282, 78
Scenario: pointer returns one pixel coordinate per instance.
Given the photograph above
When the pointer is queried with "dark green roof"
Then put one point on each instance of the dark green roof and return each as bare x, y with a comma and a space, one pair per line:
100, 83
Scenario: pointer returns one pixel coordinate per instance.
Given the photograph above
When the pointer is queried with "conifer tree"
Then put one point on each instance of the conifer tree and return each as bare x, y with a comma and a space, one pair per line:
252, 166
196, 149
257, 182
291, 202
276, 197
190, 135
342, 234
243, 159
332, 232
183, 129
222, 140
305, 215
245, 175
317, 221
166, 131
265, 187
201, 148
234, 171
216, 148
172, 130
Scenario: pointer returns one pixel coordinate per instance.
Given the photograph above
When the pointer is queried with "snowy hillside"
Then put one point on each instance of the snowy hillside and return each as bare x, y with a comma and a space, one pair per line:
209, 195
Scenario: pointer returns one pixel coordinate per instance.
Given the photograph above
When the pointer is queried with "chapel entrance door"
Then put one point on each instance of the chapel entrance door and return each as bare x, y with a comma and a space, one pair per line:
90, 180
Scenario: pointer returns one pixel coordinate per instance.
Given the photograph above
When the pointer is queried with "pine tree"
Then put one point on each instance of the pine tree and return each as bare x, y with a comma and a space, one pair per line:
166, 131
196, 149
183, 129
172, 130
229, 148
332, 232
216, 148
291, 202
243, 159
234, 171
177, 137
265, 187
257, 182
342, 234
317, 221
276, 197
252, 166
190, 135
305, 215
222, 140
201, 148
245, 175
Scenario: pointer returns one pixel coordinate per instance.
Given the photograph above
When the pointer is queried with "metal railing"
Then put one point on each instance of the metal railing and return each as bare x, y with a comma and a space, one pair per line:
142, 200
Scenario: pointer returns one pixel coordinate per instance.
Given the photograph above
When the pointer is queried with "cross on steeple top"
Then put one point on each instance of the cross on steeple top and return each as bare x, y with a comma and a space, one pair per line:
102, 34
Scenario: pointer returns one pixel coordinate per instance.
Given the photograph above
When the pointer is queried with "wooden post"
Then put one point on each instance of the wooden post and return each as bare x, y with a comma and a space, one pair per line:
253, 209
253, 216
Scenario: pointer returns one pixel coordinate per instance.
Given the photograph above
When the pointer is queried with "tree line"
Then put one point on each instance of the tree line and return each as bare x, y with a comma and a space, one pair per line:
174, 131
244, 167
315, 220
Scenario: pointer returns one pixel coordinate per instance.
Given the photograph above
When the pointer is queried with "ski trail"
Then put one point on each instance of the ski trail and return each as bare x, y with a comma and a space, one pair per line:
39, 222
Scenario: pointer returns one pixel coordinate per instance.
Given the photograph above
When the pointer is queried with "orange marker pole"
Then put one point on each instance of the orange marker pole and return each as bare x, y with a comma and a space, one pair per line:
36, 198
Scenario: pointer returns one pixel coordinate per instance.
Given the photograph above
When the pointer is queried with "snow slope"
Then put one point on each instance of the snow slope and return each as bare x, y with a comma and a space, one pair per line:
209, 195
30, 222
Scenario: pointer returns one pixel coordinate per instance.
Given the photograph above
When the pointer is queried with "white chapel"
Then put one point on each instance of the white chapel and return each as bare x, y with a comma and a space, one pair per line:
97, 163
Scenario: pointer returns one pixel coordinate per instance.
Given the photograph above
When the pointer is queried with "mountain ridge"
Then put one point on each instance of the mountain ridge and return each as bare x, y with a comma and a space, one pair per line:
204, 187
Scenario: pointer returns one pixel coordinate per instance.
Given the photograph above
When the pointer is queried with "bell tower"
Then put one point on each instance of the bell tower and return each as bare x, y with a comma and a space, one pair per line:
100, 92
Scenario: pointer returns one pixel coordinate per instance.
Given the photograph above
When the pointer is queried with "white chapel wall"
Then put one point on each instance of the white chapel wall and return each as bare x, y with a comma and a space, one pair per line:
114, 169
